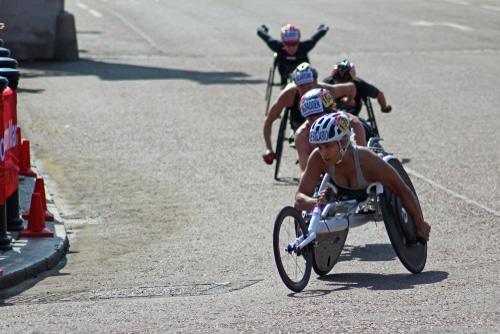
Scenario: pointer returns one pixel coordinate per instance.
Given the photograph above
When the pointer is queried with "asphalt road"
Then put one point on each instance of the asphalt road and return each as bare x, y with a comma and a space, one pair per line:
150, 146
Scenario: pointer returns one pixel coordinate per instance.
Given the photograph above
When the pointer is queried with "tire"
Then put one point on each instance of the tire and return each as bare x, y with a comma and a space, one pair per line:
269, 89
371, 116
327, 252
399, 225
294, 269
279, 142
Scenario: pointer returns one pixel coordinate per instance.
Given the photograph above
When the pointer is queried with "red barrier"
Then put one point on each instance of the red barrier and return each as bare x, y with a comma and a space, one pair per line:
9, 141
5, 240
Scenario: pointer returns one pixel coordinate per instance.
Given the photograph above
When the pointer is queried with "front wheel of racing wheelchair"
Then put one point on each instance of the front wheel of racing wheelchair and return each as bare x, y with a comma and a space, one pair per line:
294, 267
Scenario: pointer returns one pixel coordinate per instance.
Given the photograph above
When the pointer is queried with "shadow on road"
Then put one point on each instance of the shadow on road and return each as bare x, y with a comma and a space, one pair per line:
368, 252
109, 71
347, 281
13, 295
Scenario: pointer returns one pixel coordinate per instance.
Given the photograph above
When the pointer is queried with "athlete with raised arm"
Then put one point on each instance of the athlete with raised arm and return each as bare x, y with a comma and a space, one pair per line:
290, 51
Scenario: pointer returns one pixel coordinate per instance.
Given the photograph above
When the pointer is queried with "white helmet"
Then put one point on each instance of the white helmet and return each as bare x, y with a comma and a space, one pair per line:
330, 127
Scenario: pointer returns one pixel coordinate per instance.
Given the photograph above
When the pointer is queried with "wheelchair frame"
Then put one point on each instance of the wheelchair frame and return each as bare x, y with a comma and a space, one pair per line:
305, 241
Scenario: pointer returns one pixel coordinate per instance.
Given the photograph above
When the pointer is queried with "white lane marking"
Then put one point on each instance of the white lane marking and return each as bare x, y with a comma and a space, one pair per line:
91, 11
451, 192
456, 26
458, 2
95, 13
491, 7
446, 24
139, 32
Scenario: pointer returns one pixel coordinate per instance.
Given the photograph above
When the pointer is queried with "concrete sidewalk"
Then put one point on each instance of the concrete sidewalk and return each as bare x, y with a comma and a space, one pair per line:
31, 256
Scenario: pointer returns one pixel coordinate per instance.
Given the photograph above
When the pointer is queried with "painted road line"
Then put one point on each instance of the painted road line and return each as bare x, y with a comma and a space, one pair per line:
446, 24
458, 2
491, 7
451, 192
95, 13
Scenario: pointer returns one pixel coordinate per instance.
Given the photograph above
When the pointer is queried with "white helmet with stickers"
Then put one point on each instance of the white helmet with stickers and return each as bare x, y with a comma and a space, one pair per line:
316, 101
330, 127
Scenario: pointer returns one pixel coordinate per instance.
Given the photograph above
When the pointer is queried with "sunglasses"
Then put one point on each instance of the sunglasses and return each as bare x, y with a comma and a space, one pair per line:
291, 44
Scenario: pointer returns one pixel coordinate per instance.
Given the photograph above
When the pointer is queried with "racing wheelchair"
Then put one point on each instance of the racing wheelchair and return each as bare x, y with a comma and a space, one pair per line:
306, 241
286, 114
369, 123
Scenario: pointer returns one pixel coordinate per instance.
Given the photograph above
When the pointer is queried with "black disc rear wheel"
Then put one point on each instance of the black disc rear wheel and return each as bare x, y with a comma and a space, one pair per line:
400, 227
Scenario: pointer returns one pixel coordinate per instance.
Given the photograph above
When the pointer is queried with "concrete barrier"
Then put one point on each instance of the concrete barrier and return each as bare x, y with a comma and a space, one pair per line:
38, 29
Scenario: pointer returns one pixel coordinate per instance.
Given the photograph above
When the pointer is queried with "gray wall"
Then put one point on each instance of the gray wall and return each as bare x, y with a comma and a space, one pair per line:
38, 29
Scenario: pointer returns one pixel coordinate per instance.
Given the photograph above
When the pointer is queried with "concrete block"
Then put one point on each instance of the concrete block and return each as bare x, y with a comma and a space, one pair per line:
66, 45
31, 30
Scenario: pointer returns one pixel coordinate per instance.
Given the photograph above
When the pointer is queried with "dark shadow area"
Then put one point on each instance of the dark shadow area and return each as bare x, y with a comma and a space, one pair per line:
8, 296
287, 181
368, 252
339, 282
109, 71
30, 91
405, 161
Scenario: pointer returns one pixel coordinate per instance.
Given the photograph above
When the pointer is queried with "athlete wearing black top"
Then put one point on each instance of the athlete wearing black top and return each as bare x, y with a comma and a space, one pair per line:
363, 89
344, 71
290, 50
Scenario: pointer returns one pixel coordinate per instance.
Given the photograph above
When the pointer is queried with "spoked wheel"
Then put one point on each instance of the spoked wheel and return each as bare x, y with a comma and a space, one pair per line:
371, 116
279, 142
400, 227
294, 268
269, 89
270, 83
327, 252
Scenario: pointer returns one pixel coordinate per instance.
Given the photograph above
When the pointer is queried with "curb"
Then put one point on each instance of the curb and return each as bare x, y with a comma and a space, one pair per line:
32, 256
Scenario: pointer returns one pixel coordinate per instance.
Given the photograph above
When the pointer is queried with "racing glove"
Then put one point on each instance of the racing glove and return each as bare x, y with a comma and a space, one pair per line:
387, 109
268, 157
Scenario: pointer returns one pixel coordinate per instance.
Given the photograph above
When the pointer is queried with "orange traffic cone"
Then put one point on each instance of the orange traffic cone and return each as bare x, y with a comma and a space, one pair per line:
40, 188
25, 157
36, 223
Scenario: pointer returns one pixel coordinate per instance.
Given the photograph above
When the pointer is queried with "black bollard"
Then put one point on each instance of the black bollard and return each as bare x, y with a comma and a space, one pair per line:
8, 62
5, 240
11, 74
4, 52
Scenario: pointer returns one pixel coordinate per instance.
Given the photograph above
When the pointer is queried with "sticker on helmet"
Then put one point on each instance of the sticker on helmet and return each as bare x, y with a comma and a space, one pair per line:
304, 77
318, 136
327, 99
311, 107
343, 123
290, 35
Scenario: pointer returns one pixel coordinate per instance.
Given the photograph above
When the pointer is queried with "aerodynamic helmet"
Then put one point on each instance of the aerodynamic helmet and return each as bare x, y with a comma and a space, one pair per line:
304, 74
316, 101
290, 34
330, 127
344, 71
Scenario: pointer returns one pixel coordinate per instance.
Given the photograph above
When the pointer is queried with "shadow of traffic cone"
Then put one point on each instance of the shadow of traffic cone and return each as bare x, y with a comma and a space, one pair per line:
24, 156
36, 222
40, 188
